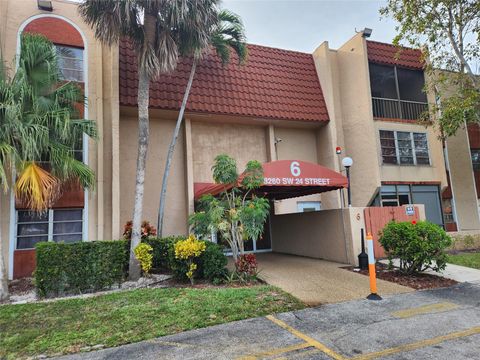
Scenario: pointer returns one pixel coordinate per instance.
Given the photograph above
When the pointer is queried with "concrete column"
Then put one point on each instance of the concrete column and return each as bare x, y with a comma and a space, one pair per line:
271, 151
462, 181
115, 140
99, 120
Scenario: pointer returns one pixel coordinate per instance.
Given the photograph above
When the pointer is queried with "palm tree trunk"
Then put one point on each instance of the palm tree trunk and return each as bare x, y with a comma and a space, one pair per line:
3, 274
171, 149
143, 134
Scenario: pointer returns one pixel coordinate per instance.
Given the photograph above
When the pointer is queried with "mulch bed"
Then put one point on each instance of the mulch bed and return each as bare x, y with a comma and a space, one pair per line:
21, 286
417, 282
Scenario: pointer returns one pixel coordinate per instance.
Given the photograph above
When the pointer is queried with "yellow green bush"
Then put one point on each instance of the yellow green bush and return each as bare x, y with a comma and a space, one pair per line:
144, 255
190, 250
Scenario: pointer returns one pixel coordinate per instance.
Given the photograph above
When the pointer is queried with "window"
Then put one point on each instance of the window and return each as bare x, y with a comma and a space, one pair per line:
404, 148
475, 158
397, 93
398, 195
382, 81
70, 62
395, 195
307, 206
59, 225
410, 85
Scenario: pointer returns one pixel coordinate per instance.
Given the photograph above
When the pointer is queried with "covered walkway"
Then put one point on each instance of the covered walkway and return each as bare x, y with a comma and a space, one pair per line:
316, 282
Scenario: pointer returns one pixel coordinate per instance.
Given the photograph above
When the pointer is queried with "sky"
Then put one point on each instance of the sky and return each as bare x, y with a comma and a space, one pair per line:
303, 25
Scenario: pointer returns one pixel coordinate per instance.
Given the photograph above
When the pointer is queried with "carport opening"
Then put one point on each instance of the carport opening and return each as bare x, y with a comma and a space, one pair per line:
283, 179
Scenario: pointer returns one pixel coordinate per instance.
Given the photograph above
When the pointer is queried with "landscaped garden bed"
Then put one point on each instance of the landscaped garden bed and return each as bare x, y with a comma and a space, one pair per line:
419, 281
73, 325
414, 247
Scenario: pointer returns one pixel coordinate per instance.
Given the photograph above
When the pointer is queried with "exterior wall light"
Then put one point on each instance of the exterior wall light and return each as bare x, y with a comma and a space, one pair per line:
45, 5
367, 32
347, 162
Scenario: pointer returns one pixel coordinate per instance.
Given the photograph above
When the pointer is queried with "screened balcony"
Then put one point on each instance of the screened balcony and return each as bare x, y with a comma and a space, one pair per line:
397, 93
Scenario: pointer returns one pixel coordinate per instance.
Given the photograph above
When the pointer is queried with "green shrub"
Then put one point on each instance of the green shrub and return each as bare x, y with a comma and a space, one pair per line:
96, 265
418, 246
162, 248
213, 263
79, 267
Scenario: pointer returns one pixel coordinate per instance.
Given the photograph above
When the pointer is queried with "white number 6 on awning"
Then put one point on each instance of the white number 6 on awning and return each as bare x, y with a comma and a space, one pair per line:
295, 168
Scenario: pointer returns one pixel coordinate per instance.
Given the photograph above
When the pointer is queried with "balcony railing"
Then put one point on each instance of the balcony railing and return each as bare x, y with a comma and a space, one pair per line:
398, 109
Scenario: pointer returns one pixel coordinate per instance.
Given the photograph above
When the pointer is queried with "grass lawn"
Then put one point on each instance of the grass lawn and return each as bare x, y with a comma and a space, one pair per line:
68, 325
466, 259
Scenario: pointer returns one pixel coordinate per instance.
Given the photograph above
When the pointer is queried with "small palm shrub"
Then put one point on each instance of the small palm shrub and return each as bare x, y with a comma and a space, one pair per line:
418, 245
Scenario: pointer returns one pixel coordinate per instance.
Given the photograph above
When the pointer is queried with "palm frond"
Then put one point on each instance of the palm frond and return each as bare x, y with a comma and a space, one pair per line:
229, 34
36, 187
111, 20
7, 158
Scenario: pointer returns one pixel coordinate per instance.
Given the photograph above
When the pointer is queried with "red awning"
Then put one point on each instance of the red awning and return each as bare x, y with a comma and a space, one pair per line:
285, 179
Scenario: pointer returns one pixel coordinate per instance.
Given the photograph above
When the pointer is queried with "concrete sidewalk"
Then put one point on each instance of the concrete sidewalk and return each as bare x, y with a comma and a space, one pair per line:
317, 281
441, 324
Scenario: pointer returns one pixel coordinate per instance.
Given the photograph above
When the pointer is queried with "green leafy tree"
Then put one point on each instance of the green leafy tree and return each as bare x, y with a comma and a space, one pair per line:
237, 214
160, 31
40, 130
448, 31
226, 34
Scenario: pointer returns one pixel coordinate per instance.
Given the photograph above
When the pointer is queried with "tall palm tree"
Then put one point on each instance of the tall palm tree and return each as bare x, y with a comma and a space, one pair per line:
226, 34
160, 30
40, 130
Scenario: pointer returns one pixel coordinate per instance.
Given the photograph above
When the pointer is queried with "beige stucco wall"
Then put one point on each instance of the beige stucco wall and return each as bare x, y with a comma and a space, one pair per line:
358, 125
435, 172
161, 131
331, 135
462, 181
330, 234
296, 144
242, 142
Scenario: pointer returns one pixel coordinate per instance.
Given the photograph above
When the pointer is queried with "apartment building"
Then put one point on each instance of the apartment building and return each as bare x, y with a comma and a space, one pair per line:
363, 97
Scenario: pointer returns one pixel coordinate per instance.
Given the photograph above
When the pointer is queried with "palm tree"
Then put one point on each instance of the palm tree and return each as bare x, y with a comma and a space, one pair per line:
226, 34
40, 130
160, 31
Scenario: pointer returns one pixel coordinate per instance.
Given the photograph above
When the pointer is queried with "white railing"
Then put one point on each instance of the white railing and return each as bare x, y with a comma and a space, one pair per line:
398, 109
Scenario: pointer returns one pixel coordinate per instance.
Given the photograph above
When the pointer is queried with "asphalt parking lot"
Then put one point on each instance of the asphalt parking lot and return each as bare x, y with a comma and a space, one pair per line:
435, 324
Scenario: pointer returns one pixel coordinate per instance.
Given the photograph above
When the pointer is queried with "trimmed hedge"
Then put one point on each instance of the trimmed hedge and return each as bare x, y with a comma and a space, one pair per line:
79, 267
211, 264
162, 251
97, 265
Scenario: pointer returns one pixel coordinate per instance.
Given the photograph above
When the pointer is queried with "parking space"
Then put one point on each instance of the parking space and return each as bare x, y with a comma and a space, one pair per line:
436, 324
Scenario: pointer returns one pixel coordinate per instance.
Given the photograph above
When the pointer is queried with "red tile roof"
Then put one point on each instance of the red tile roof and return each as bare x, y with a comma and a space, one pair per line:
391, 55
274, 83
